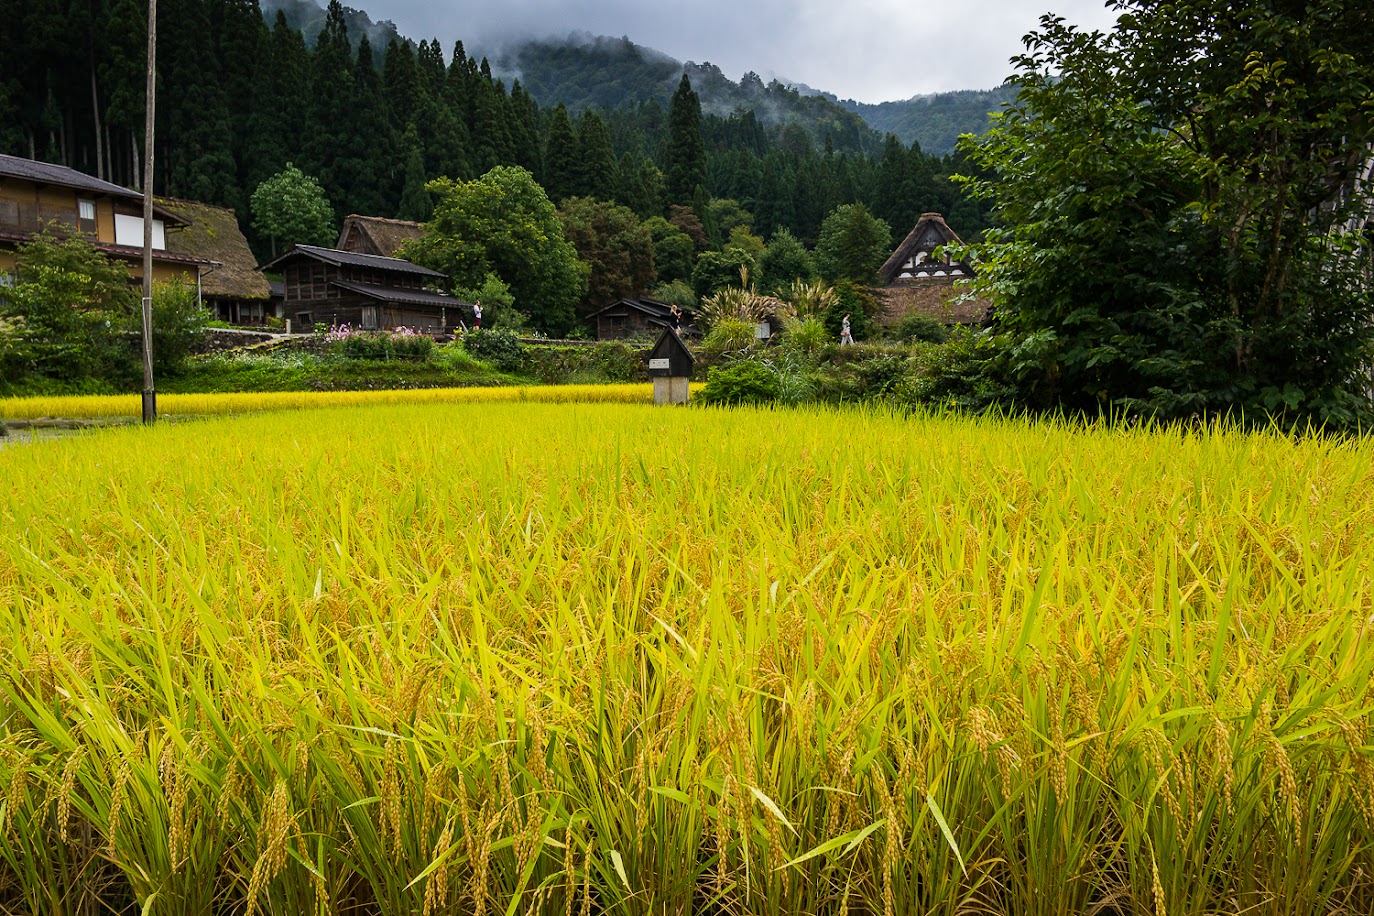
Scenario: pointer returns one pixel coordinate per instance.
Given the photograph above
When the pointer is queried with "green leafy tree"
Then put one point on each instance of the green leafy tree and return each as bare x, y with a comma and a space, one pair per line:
686, 152
498, 305
615, 246
674, 250
503, 225
179, 322
291, 207
784, 261
715, 270
853, 245
69, 312
1175, 191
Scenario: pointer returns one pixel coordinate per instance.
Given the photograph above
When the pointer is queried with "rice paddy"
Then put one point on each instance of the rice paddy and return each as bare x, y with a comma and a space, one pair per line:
130, 405
509, 658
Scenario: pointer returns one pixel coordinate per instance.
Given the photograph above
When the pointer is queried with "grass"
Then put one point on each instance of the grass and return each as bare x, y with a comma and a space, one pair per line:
510, 658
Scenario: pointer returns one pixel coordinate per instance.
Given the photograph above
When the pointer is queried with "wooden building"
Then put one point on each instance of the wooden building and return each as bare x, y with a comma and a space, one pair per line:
636, 318
38, 195
375, 235
234, 290
920, 278
333, 287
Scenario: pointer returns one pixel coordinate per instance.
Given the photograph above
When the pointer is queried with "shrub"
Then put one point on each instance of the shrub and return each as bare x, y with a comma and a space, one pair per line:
499, 348
730, 335
179, 323
456, 357
406, 344
920, 328
402, 343
744, 382
807, 336
966, 373
676, 292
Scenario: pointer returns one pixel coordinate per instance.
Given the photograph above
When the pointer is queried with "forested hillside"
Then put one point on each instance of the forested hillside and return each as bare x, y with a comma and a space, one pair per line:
934, 121
607, 73
241, 97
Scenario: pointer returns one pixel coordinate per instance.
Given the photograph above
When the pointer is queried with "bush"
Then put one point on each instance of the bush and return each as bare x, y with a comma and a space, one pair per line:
920, 329
729, 335
179, 323
676, 292
402, 343
967, 373
807, 336
499, 348
744, 382
406, 344
611, 361
859, 304
456, 357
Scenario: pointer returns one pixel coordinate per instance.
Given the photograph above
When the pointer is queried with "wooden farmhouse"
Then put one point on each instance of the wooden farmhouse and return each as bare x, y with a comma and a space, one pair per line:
634, 318
375, 235
37, 195
920, 278
333, 287
234, 290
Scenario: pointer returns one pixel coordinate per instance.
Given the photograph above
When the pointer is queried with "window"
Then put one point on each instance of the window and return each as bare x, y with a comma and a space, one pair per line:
369, 318
85, 216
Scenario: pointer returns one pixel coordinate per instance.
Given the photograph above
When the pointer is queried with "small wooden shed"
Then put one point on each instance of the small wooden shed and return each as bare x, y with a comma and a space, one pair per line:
670, 366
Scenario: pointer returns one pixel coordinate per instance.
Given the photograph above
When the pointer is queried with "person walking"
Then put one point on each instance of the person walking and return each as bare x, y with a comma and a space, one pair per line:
846, 338
477, 315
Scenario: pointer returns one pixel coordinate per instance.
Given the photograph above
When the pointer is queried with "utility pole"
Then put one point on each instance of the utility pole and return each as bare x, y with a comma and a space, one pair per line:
149, 395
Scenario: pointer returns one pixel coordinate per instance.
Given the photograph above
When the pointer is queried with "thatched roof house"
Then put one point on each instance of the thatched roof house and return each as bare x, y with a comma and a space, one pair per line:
919, 278
235, 290
375, 235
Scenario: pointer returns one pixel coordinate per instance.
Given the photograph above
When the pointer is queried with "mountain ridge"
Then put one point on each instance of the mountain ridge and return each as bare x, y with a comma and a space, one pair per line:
585, 70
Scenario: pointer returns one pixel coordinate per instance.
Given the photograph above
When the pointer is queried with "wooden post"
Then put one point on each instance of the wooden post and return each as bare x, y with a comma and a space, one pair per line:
149, 394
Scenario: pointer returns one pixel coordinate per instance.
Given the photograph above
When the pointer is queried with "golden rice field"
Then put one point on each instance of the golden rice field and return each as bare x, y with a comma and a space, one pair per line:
584, 659
130, 405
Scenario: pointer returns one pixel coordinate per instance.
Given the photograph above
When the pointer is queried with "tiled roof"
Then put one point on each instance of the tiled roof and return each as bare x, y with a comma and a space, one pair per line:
338, 258
403, 296
49, 173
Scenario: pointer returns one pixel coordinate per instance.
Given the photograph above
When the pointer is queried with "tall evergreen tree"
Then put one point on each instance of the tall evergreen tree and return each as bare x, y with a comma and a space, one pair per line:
560, 157
596, 165
685, 156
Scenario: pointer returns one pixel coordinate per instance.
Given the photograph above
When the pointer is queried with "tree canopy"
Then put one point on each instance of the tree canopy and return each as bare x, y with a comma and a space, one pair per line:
615, 246
291, 208
504, 225
1173, 191
853, 245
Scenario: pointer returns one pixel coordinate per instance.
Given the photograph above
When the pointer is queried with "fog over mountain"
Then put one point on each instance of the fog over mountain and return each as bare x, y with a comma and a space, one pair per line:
867, 50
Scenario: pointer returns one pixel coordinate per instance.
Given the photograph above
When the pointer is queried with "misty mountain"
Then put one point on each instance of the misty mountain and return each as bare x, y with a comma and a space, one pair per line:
308, 17
599, 72
586, 71
934, 121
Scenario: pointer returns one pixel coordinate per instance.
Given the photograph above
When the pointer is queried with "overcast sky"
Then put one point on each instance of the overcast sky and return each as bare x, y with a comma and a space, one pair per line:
870, 50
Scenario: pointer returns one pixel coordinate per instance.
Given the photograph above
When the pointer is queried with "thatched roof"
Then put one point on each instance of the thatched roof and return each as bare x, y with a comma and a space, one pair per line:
213, 232
930, 232
375, 235
941, 300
